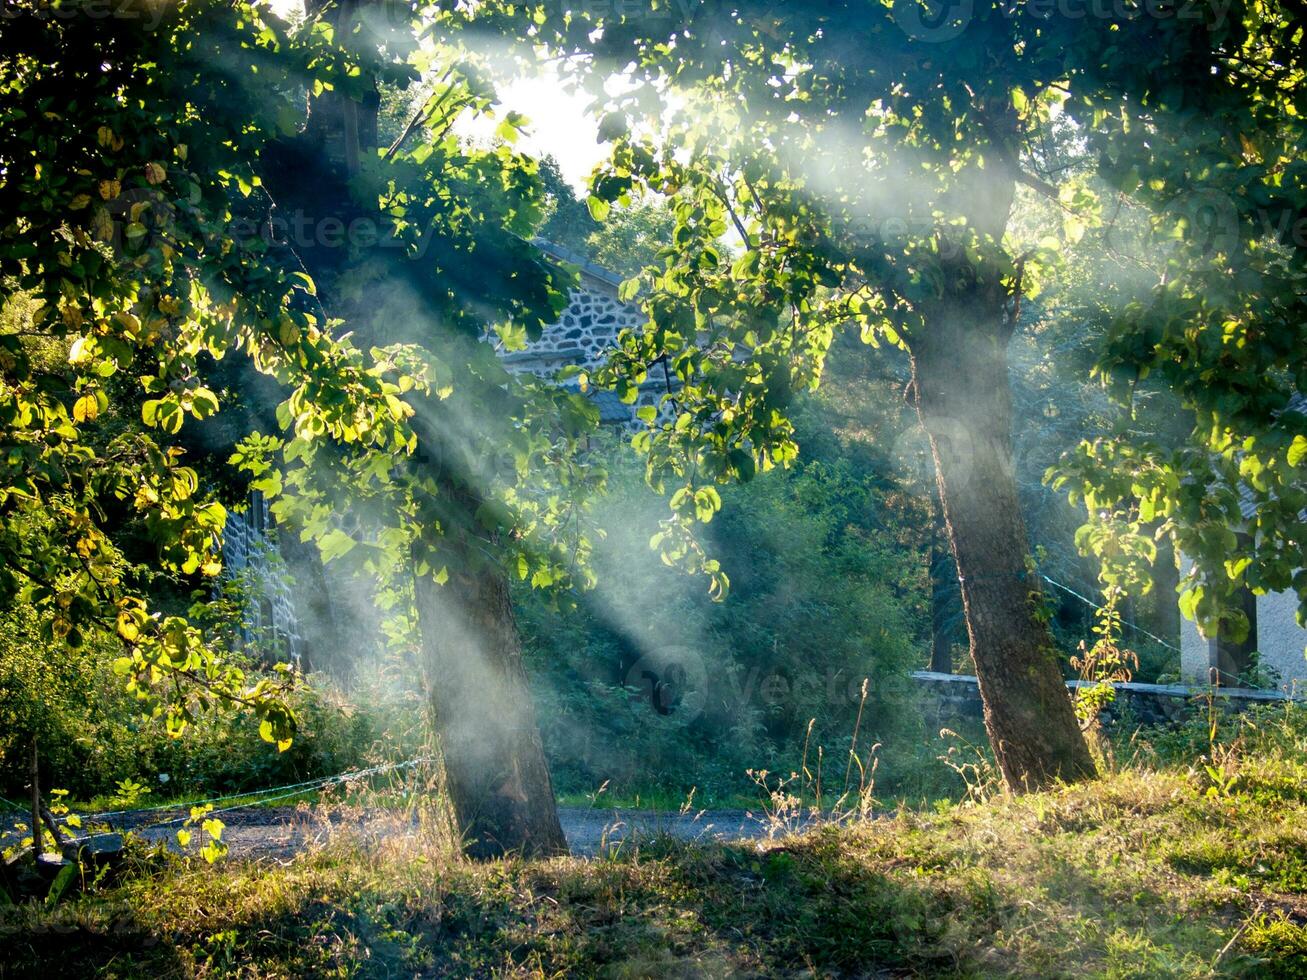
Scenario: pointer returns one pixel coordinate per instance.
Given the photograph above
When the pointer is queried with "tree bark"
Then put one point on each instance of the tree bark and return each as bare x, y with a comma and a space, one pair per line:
495, 770
962, 394
34, 771
943, 595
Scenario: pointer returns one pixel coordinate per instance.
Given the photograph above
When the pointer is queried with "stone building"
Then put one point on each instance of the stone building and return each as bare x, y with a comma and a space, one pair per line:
584, 334
1275, 643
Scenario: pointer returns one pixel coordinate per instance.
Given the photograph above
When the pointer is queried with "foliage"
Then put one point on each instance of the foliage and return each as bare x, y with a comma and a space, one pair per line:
95, 740
119, 202
139, 241
630, 238
870, 183
740, 681
569, 223
70, 702
1103, 663
1140, 874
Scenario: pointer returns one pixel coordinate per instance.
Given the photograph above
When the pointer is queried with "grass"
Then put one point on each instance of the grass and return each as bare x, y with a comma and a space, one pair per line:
664, 801
1165, 868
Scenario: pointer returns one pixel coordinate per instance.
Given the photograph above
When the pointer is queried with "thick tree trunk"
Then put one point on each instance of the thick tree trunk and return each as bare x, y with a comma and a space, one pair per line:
495, 768
962, 395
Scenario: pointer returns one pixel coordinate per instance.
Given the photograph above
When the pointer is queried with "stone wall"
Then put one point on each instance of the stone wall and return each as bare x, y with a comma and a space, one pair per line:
249, 553
585, 335
949, 698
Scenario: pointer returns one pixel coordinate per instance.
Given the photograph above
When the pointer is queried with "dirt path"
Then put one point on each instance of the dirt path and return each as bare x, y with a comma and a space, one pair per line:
280, 832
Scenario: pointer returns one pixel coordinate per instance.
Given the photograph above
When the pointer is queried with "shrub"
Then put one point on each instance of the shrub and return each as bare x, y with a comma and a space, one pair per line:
648, 684
92, 734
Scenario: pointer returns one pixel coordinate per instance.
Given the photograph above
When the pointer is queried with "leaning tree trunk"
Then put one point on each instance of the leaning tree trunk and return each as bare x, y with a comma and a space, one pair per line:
962, 395
495, 768
943, 595
496, 775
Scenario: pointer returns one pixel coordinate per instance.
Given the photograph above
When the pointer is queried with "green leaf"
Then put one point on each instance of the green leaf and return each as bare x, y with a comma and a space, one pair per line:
335, 544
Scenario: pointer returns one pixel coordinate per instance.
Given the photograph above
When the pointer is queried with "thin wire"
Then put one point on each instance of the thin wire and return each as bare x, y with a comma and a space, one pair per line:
1090, 602
257, 798
258, 792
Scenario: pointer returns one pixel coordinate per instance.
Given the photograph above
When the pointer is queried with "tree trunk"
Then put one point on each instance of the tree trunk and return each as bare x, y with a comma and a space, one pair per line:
960, 382
496, 775
495, 768
943, 595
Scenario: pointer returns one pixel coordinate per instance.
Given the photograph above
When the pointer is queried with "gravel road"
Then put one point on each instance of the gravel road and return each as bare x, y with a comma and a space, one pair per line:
280, 832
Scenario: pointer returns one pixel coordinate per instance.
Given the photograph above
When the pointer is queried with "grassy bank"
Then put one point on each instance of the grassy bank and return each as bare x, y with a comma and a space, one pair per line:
1161, 870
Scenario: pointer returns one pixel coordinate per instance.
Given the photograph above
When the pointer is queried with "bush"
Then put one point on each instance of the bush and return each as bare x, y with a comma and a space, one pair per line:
648, 684
85, 724
92, 733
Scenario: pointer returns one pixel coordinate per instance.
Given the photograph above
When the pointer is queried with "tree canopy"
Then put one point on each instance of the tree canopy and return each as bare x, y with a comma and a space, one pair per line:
141, 240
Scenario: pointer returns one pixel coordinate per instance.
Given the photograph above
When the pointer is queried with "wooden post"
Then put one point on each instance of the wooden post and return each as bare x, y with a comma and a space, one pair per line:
37, 849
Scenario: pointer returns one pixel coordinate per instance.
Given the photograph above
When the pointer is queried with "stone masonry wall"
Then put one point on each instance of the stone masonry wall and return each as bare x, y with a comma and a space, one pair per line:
953, 697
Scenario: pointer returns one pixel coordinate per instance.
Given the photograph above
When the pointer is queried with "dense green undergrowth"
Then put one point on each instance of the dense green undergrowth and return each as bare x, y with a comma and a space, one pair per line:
1165, 868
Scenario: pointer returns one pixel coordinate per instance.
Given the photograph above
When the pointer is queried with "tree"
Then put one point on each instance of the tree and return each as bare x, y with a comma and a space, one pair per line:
1221, 329
137, 217
436, 279
868, 159
113, 203
569, 223
630, 238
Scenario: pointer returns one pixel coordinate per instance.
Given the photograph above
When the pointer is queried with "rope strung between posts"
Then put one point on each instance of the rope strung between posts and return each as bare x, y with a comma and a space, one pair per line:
307, 784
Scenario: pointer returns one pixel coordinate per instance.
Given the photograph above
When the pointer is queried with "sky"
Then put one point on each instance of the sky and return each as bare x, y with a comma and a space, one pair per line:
559, 125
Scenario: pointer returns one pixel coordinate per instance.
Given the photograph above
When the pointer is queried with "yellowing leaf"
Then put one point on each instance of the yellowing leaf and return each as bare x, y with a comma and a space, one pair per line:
86, 408
127, 627
1297, 450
